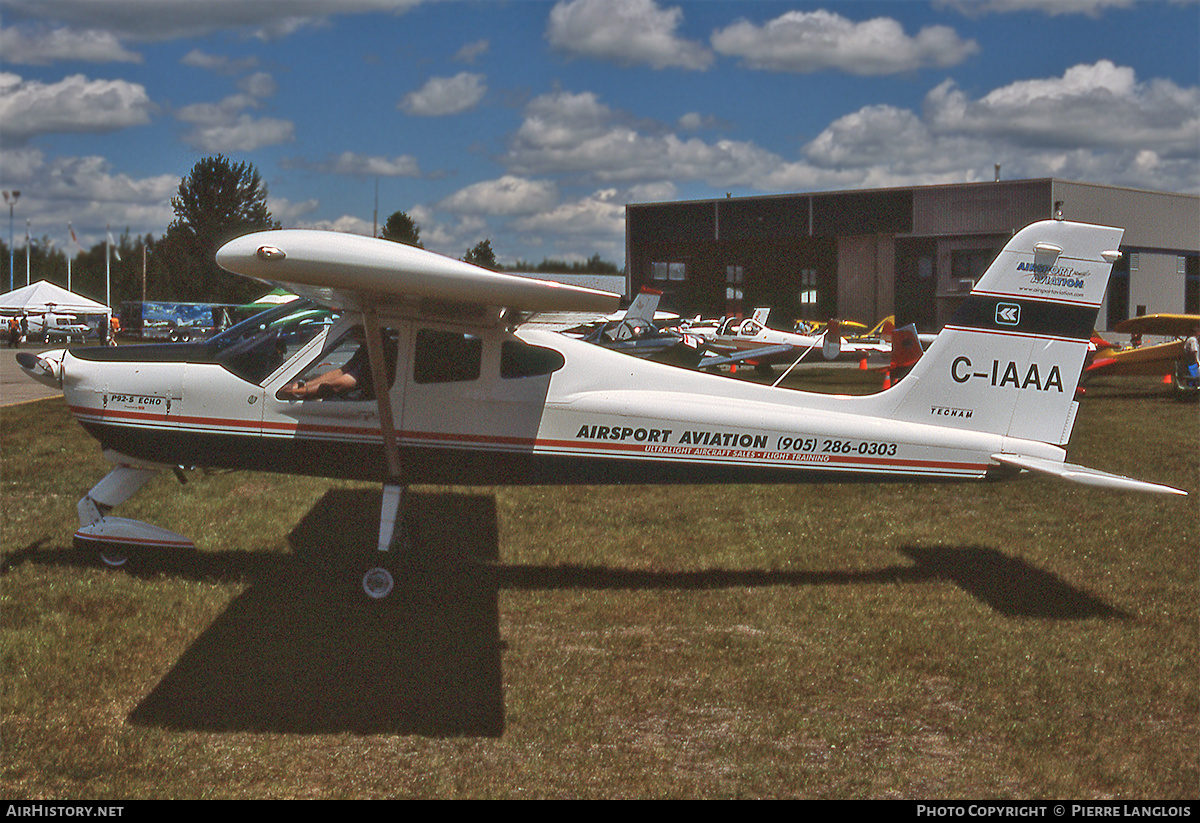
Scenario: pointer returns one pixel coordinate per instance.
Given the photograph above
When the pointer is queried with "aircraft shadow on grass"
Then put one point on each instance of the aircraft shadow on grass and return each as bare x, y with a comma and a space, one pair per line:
302, 651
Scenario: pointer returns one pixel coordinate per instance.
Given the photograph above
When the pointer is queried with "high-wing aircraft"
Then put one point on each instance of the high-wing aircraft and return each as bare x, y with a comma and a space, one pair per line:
454, 391
1156, 360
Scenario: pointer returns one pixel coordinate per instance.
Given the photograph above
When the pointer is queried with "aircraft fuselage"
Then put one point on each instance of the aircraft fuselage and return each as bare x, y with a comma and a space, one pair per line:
476, 418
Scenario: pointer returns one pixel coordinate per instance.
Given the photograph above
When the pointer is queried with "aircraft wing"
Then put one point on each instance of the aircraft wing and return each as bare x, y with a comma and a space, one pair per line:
746, 354
1082, 474
1152, 360
346, 271
1166, 325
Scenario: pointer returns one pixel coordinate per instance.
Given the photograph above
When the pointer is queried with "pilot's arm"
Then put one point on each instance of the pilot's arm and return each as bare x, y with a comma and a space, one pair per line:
331, 382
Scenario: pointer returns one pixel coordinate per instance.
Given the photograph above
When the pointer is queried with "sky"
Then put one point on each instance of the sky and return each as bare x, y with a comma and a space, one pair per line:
533, 123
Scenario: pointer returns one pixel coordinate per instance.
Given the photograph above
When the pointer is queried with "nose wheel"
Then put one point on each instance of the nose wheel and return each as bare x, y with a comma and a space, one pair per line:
378, 583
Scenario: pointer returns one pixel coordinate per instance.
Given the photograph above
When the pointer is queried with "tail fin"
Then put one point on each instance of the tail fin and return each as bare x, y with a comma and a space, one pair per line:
644, 306
1009, 360
906, 351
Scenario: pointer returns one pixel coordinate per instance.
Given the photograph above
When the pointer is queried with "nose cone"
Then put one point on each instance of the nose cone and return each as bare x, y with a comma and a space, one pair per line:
46, 368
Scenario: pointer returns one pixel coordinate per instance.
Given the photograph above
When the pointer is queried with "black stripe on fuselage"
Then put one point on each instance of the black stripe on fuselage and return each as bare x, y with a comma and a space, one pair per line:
1016, 314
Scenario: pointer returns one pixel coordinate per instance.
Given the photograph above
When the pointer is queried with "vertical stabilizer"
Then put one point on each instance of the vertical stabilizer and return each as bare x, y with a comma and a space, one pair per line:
644, 306
1009, 360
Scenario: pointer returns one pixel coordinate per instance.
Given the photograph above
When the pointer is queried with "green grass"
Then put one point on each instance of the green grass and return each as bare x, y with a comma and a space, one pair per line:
1032, 639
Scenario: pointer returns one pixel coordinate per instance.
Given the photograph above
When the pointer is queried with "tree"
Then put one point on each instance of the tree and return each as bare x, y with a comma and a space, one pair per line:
482, 255
400, 228
216, 202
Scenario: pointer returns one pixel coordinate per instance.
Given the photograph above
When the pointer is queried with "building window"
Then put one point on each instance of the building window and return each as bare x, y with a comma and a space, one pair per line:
1191, 284
809, 294
735, 277
668, 271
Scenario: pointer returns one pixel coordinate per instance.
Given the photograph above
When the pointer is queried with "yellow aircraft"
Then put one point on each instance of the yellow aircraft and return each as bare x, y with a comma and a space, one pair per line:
1156, 360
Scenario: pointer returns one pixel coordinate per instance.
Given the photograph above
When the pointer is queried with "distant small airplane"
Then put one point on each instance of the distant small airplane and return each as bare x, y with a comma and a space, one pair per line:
636, 333
426, 376
1154, 360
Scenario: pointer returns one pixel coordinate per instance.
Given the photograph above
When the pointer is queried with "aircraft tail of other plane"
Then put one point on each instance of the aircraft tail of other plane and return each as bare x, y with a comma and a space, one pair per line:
644, 305
1009, 360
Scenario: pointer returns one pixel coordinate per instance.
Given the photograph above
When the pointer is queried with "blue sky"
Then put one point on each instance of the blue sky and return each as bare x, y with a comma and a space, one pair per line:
533, 123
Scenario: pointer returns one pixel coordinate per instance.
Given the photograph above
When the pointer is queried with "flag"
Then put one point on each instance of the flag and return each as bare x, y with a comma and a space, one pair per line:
74, 239
113, 244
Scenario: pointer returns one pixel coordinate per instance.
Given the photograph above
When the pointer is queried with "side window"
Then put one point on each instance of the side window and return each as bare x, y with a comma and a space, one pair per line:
446, 357
342, 371
519, 359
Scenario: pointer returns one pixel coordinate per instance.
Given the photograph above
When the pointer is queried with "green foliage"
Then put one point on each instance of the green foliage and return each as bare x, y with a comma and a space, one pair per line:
218, 201
593, 265
400, 228
482, 255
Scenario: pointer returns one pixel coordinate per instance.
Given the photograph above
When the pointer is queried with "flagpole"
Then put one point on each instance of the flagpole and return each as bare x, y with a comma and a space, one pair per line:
108, 268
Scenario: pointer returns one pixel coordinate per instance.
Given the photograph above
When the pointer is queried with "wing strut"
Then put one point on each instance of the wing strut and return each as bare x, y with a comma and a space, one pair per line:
383, 397
377, 582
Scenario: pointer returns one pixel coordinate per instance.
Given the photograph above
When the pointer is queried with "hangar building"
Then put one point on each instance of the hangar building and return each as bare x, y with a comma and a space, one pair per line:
909, 252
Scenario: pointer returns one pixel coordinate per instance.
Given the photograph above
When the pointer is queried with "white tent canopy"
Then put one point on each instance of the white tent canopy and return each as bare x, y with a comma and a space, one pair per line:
43, 296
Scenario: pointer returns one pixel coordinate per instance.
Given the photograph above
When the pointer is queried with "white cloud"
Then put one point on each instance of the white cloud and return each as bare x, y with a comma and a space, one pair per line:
441, 96
362, 165
600, 214
1097, 106
576, 133
290, 214
218, 63
226, 126
87, 192
472, 51
29, 108
260, 85
806, 42
1091, 8
508, 195
630, 32
156, 20
40, 47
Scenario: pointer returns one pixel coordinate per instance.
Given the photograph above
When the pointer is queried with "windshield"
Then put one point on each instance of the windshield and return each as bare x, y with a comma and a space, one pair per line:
256, 347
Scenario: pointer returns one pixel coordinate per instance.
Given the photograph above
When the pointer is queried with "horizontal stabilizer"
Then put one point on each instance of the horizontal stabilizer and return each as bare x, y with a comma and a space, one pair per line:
1082, 474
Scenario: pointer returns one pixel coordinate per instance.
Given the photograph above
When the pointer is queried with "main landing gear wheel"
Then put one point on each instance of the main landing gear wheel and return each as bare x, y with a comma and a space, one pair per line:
378, 583
114, 556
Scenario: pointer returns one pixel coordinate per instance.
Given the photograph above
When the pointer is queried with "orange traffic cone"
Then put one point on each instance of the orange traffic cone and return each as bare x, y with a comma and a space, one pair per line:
1167, 380
862, 364
887, 379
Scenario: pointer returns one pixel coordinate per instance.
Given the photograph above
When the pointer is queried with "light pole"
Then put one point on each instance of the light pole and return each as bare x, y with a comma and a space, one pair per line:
10, 197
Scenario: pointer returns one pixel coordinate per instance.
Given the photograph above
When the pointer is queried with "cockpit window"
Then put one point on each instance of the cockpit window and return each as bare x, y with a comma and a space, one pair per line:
519, 359
256, 347
343, 370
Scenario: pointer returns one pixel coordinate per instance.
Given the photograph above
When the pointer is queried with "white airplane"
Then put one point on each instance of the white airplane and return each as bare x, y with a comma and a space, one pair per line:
472, 398
751, 338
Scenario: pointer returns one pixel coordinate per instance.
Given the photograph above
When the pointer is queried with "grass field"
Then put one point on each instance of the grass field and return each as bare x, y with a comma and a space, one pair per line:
1032, 639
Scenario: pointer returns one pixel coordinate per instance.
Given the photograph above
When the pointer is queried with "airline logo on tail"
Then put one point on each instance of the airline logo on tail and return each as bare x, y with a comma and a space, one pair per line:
1008, 314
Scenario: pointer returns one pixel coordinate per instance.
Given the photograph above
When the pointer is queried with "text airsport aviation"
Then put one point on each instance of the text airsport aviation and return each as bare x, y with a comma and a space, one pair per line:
472, 398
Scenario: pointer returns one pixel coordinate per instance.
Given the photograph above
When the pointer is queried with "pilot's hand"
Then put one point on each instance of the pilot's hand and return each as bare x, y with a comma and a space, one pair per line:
297, 389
